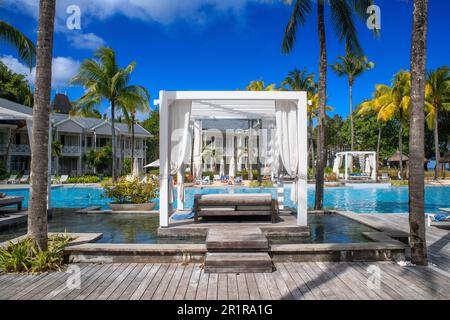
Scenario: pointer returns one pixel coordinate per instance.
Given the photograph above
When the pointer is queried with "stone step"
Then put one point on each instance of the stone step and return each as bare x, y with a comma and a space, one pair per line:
236, 239
238, 262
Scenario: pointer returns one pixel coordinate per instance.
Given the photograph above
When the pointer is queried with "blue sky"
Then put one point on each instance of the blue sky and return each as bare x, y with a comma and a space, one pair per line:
212, 45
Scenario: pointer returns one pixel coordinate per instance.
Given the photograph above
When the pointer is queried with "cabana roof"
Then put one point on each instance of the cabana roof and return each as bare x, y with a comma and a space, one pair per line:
396, 157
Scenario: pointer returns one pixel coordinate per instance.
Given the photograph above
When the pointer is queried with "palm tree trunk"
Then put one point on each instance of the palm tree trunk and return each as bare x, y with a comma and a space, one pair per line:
311, 142
417, 238
132, 142
113, 142
436, 143
37, 213
400, 144
322, 100
352, 129
377, 164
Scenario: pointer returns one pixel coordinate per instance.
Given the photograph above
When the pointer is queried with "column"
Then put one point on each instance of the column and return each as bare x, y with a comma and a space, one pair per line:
302, 189
164, 153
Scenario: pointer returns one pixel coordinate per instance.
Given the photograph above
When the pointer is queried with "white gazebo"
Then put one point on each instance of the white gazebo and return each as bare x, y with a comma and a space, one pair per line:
181, 115
367, 161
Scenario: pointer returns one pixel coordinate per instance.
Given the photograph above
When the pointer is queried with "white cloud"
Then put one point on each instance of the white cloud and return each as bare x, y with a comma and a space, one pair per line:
63, 69
88, 41
162, 11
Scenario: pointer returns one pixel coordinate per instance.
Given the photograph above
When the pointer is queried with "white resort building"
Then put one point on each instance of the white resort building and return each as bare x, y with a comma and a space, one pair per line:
77, 135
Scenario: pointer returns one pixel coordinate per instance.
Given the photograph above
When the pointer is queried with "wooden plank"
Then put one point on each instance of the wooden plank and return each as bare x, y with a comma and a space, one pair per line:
233, 293
107, 287
191, 291
252, 287
313, 282
183, 285
212, 287
262, 286
129, 278
173, 285
284, 290
142, 286
98, 281
88, 282
342, 288
134, 285
290, 283
154, 283
300, 282
202, 288
272, 286
242, 287
222, 287
164, 283
29, 291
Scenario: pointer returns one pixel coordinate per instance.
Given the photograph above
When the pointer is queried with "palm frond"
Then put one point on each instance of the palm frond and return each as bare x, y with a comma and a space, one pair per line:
24, 46
343, 24
298, 18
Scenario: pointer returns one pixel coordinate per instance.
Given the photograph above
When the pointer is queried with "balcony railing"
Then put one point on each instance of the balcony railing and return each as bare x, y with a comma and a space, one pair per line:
20, 148
71, 149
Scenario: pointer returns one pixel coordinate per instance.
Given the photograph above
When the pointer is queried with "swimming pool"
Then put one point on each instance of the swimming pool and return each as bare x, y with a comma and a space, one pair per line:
360, 200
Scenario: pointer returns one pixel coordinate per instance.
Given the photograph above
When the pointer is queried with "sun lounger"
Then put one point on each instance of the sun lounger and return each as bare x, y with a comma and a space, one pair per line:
235, 205
206, 180
11, 200
439, 220
11, 180
25, 179
217, 177
64, 178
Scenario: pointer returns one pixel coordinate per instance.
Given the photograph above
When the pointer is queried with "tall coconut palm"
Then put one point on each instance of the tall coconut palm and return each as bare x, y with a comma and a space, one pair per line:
15, 38
351, 66
342, 18
417, 239
131, 110
301, 80
37, 213
438, 95
374, 107
259, 85
103, 79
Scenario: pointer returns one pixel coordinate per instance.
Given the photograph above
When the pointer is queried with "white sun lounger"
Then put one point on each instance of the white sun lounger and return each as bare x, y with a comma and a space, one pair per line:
12, 179
64, 178
25, 179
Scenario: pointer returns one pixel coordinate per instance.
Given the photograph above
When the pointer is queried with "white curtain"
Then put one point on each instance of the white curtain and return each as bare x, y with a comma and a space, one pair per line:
337, 164
239, 152
232, 171
222, 167
180, 153
286, 119
350, 163
367, 166
198, 149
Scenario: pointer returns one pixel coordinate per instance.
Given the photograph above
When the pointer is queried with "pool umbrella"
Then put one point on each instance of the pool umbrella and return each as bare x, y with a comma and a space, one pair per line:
396, 157
212, 164
222, 168
232, 171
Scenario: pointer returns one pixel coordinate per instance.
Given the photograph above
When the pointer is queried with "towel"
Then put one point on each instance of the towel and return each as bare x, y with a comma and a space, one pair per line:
441, 217
182, 216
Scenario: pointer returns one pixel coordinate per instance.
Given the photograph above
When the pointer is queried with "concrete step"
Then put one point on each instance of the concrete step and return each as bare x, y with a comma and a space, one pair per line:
238, 262
236, 239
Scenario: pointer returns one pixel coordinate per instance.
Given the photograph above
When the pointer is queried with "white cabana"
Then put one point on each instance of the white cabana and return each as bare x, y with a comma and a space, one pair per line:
366, 159
286, 109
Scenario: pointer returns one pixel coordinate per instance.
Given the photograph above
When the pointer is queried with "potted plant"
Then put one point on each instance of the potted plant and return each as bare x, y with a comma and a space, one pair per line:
131, 195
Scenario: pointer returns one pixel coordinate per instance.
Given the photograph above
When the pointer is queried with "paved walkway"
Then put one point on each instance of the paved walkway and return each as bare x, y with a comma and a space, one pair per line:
309, 280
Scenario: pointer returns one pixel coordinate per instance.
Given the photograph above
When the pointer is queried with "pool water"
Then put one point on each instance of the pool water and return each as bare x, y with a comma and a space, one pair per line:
141, 228
359, 200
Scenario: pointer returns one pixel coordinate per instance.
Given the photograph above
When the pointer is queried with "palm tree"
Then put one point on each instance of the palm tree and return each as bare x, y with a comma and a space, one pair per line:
103, 79
438, 95
351, 66
24, 46
37, 213
374, 107
342, 19
259, 85
417, 239
131, 111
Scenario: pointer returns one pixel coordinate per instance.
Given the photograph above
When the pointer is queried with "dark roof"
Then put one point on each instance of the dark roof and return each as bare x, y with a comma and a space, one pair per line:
61, 104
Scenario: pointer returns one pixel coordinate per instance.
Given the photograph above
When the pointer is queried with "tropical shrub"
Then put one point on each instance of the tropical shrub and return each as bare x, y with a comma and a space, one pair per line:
84, 179
99, 159
126, 167
131, 190
208, 174
24, 257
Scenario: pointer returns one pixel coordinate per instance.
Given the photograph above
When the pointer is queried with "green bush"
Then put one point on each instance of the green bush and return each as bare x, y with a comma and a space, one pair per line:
84, 179
131, 191
244, 174
24, 257
208, 174
126, 169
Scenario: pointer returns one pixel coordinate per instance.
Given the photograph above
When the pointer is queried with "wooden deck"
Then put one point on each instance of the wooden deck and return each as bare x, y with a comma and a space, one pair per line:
438, 240
308, 280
